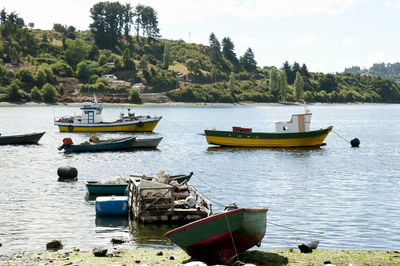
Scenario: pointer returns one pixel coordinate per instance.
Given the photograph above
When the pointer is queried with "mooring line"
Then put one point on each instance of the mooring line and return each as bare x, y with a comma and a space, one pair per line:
233, 241
295, 229
340, 136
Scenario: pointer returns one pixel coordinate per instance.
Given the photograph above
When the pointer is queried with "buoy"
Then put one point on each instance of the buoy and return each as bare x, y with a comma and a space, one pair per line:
67, 172
355, 142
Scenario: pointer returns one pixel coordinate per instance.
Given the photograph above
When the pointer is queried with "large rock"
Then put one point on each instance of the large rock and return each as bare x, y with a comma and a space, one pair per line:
308, 247
54, 245
67, 172
99, 252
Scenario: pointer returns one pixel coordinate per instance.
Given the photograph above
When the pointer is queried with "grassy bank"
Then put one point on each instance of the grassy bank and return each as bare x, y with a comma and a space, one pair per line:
150, 256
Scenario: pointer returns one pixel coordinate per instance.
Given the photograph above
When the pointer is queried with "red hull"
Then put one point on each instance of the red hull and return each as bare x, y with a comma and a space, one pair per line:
220, 248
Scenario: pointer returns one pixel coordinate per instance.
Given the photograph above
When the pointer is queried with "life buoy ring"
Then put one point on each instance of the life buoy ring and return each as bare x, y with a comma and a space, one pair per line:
70, 128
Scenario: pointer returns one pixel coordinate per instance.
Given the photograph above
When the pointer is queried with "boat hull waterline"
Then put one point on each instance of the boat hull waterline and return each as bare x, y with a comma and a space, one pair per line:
32, 138
218, 237
121, 144
132, 126
267, 140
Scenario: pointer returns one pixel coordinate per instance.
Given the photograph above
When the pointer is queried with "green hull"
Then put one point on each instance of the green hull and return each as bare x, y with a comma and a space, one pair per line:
218, 237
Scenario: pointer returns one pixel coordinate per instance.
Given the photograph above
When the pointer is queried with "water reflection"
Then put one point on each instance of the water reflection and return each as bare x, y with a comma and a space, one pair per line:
150, 234
112, 221
301, 151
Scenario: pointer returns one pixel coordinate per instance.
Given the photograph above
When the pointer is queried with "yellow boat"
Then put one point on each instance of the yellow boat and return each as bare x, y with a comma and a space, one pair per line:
291, 134
91, 121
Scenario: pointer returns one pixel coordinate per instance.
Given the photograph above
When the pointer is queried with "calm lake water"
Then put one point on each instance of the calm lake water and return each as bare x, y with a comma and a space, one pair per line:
351, 196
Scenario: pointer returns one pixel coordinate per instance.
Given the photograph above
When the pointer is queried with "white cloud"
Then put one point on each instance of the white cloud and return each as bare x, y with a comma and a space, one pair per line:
376, 57
349, 40
393, 3
308, 39
76, 12
179, 11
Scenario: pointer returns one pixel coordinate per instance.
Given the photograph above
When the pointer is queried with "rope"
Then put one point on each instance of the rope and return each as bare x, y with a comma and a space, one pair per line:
340, 136
230, 233
207, 183
295, 229
189, 130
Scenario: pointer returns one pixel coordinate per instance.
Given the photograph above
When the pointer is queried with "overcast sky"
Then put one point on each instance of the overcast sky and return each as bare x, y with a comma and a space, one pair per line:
326, 35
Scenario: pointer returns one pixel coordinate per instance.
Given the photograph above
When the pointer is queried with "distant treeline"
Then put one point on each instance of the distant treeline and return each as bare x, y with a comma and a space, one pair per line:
390, 71
51, 65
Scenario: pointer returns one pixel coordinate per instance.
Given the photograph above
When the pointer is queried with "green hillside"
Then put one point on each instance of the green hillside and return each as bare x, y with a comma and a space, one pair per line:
62, 64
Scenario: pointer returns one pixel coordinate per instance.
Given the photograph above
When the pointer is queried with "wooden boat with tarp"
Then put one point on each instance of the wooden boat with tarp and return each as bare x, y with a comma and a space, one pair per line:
291, 134
91, 121
31, 138
217, 238
160, 201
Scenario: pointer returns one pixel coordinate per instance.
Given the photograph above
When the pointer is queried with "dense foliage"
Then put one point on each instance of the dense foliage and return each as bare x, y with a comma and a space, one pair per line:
54, 65
390, 71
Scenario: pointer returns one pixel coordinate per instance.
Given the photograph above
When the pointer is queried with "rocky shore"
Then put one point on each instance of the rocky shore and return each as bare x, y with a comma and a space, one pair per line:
151, 256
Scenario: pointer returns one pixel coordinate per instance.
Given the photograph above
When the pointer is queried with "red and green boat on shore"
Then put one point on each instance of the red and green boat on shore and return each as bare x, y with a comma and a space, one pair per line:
221, 236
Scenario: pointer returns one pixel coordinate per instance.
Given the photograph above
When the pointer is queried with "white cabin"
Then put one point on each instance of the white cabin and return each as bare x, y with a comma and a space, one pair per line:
91, 113
298, 123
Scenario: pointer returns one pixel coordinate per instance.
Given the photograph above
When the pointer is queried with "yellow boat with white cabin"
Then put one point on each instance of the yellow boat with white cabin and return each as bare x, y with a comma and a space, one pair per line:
289, 134
91, 120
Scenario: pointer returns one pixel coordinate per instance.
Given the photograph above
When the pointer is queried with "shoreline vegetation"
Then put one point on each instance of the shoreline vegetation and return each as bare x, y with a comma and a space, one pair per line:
152, 256
64, 63
78, 104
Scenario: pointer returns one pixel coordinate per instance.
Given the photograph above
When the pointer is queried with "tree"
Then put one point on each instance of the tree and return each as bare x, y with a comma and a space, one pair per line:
289, 72
49, 93
166, 56
274, 84
143, 63
13, 93
3, 16
41, 77
282, 85
193, 65
214, 43
77, 50
138, 21
134, 96
36, 94
304, 71
82, 70
26, 77
128, 20
109, 20
59, 28
299, 86
232, 85
127, 62
248, 62
102, 60
150, 23
227, 49
31, 25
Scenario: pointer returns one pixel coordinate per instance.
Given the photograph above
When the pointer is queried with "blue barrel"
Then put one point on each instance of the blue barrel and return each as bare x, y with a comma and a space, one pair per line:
112, 206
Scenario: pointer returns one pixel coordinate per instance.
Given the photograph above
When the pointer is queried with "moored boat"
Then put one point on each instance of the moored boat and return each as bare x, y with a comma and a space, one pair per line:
219, 237
178, 178
100, 145
148, 143
291, 134
31, 138
91, 121
98, 188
